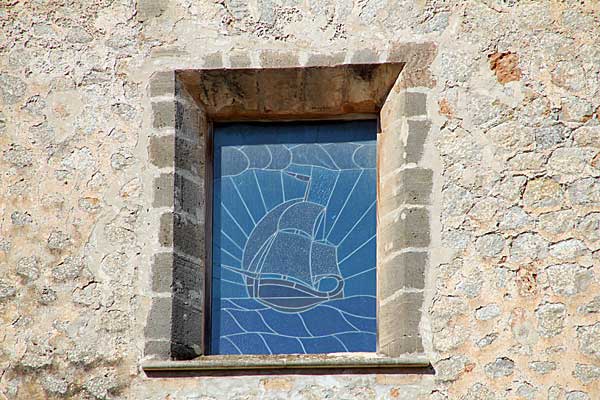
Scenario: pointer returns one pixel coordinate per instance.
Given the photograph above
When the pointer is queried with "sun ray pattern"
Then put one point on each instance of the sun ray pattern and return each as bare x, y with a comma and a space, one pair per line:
294, 243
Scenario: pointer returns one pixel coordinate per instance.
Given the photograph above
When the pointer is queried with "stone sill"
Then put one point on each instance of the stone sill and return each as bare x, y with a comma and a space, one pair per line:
287, 361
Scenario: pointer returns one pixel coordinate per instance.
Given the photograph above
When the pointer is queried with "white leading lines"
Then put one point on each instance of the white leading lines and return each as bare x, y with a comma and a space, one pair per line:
345, 202
234, 220
243, 202
356, 223
260, 191
357, 249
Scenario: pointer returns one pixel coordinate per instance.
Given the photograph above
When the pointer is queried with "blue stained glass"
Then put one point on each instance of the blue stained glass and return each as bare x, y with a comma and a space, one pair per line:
294, 222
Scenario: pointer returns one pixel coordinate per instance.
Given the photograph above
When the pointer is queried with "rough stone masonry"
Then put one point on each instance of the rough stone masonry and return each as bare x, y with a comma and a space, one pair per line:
512, 305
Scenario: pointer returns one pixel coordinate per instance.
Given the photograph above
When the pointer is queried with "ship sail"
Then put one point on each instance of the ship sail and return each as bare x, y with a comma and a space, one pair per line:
284, 263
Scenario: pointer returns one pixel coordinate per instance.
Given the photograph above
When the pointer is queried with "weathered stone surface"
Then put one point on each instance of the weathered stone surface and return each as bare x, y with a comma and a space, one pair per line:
557, 222
501, 367
587, 136
506, 66
542, 194
585, 192
568, 250
550, 136
529, 163
593, 307
551, 319
512, 136
589, 340
450, 369
577, 395
55, 385
6, 290
27, 268
21, 218
69, 269
58, 240
12, 89
515, 218
568, 279
487, 312
17, 156
542, 367
479, 391
568, 164
528, 247
490, 245
589, 229
586, 373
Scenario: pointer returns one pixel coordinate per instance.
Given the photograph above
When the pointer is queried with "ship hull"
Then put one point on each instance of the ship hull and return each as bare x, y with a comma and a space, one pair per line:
292, 297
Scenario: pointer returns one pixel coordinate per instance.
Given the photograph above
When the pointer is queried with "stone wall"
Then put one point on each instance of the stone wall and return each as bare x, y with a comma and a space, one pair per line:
512, 309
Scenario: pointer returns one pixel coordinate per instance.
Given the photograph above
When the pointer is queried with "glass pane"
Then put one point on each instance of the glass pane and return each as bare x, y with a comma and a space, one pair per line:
294, 223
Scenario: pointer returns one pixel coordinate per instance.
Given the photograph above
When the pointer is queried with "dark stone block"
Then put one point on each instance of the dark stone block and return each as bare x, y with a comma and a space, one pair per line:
213, 60
318, 60
187, 120
188, 278
417, 134
188, 237
147, 9
189, 156
161, 151
240, 60
399, 322
163, 113
274, 59
162, 84
410, 231
189, 198
365, 56
415, 104
158, 324
187, 331
162, 273
409, 186
281, 91
405, 270
158, 348
165, 232
323, 88
164, 191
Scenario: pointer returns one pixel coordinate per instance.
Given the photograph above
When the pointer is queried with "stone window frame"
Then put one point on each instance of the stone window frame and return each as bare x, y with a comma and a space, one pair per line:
185, 102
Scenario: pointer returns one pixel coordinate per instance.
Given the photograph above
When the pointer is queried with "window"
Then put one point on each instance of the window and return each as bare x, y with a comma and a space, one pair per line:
294, 249
193, 130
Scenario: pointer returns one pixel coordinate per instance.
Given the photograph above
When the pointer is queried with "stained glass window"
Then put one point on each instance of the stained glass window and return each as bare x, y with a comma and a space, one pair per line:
294, 249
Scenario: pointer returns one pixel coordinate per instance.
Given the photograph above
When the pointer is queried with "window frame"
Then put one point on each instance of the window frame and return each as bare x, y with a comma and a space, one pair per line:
401, 98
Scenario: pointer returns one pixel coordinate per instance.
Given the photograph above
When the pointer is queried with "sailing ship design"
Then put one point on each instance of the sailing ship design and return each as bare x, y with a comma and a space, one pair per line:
288, 265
